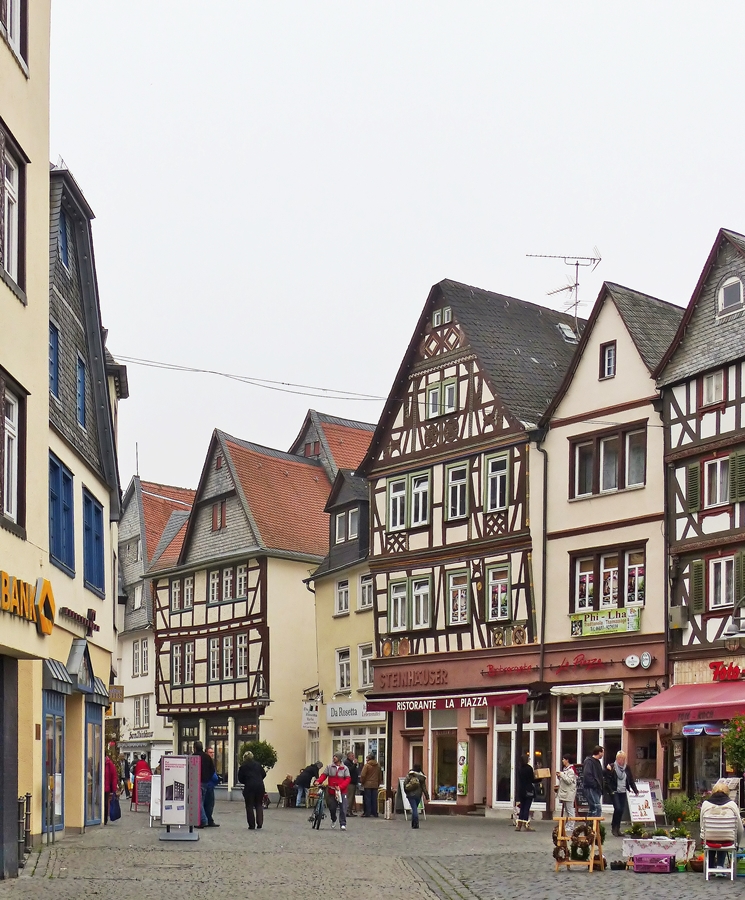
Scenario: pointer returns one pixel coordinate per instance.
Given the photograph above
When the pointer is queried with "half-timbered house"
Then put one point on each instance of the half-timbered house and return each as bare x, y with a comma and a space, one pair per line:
451, 549
702, 377
602, 570
235, 623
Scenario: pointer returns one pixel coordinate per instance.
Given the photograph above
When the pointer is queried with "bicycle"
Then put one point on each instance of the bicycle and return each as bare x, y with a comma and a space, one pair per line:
318, 812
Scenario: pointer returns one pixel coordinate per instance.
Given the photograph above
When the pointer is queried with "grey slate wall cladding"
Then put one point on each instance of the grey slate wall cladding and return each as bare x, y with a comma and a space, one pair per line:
66, 311
207, 544
710, 341
218, 481
132, 570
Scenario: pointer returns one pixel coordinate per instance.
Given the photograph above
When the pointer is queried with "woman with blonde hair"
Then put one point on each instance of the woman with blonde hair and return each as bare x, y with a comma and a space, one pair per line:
620, 781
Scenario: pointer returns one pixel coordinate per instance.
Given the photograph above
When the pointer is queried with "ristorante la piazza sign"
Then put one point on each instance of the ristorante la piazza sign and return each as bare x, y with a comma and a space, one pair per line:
35, 603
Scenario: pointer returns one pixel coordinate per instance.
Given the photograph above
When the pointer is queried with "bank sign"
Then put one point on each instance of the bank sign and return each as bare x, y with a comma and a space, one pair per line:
338, 713
605, 621
34, 603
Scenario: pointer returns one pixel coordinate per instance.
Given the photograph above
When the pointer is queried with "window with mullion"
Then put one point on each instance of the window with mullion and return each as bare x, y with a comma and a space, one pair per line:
721, 582
227, 658
457, 486
188, 592
176, 595
366, 665
496, 483
716, 482
135, 659
213, 588
343, 670
214, 659
11, 196
10, 484
353, 526
366, 592
93, 543
397, 606
241, 581
620, 572
609, 581
61, 516
498, 598
397, 504
176, 664
189, 662
342, 597
242, 654
458, 598
144, 656
421, 603
419, 499
227, 584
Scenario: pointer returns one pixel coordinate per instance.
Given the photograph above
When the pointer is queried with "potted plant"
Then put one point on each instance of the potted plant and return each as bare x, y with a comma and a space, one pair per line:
264, 754
734, 743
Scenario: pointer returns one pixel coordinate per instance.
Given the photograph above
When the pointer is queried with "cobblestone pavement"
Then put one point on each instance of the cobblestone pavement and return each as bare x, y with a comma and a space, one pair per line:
448, 858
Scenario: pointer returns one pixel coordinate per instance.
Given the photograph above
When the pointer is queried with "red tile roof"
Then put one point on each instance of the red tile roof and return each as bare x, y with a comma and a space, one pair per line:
158, 502
348, 445
169, 557
286, 496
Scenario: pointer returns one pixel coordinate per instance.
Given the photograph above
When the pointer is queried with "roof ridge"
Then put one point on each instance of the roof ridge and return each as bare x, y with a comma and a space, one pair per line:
538, 306
270, 451
624, 287
357, 424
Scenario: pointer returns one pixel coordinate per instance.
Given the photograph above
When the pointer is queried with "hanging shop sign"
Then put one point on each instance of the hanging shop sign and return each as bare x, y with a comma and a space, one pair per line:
310, 715
605, 621
116, 693
26, 601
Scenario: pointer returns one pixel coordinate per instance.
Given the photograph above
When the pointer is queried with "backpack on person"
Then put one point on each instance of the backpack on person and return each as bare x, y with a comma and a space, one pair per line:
412, 784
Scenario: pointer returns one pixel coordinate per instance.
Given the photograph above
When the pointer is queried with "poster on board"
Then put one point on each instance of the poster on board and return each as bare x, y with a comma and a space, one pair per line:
174, 775
155, 798
461, 777
641, 808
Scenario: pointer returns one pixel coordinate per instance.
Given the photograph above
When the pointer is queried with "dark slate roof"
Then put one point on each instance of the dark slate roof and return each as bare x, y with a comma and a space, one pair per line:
519, 344
706, 340
652, 323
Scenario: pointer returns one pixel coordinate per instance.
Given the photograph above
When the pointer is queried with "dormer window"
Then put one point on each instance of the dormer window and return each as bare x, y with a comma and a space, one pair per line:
341, 527
440, 316
218, 461
567, 333
608, 360
713, 388
437, 317
442, 398
354, 520
730, 295
447, 315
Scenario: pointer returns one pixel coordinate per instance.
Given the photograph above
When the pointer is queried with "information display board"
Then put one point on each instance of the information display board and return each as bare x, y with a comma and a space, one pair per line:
581, 805
641, 808
155, 798
174, 779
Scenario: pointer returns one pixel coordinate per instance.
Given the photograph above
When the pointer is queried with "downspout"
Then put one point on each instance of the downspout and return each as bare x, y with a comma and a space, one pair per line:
538, 436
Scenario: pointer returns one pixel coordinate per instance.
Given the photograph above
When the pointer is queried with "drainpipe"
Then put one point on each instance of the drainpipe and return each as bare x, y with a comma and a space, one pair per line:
538, 435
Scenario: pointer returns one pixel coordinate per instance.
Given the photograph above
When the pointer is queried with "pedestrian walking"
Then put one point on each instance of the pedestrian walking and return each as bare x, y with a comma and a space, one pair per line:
110, 785
566, 790
592, 779
207, 770
127, 775
209, 794
371, 777
251, 775
141, 767
620, 781
525, 793
336, 778
354, 776
415, 787
305, 779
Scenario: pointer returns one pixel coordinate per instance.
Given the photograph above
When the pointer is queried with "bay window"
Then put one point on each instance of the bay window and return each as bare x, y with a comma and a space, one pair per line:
620, 572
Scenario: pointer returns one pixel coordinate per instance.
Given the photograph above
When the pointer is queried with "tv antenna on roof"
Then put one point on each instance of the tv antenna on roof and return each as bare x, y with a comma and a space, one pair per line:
572, 287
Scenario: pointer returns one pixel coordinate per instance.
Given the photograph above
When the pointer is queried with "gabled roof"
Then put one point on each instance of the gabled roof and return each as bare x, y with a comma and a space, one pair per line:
159, 503
285, 496
348, 486
650, 322
172, 540
344, 441
710, 346
520, 345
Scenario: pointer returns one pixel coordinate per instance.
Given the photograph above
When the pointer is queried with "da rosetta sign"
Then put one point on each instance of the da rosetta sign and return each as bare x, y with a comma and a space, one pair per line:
26, 601
605, 621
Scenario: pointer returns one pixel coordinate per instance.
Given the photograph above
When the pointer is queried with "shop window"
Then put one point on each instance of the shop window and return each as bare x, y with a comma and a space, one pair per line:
445, 753
414, 718
479, 716
53, 761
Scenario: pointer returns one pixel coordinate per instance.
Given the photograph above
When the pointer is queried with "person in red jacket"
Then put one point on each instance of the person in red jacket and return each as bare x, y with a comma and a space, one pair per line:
336, 776
110, 785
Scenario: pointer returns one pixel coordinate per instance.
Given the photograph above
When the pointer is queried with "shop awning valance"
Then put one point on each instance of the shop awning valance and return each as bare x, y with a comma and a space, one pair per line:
713, 729
100, 695
689, 703
55, 677
575, 690
386, 703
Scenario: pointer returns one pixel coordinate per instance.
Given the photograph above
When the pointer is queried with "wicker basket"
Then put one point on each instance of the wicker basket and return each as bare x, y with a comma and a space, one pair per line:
697, 865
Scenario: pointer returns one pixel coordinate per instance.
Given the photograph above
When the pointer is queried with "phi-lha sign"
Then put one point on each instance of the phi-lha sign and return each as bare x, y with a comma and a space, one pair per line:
35, 603
349, 711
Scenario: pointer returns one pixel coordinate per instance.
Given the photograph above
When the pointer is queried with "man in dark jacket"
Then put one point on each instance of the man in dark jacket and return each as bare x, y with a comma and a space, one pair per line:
354, 774
251, 775
305, 779
592, 779
206, 772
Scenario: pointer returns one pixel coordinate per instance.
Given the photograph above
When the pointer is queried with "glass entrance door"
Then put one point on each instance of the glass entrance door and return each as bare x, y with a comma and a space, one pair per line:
53, 762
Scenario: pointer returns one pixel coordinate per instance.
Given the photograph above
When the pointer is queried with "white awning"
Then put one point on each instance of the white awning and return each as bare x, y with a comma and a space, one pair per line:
597, 687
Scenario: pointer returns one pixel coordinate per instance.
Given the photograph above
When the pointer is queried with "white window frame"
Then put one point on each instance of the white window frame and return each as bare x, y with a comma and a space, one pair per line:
721, 467
228, 658
606, 488
341, 607
188, 592
241, 581
433, 401
135, 659
461, 595
241, 656
725, 566
629, 435
637, 598
144, 656
366, 594
138, 712
733, 307
612, 571
10, 475
176, 595
713, 388
341, 528
146, 711
343, 669
13, 25
353, 524
437, 318
137, 599
398, 596
609, 360
497, 473
420, 499
11, 244
176, 664
449, 400
189, 662
214, 588
584, 597
214, 654
577, 449
457, 493
421, 603
227, 584
447, 315
365, 652
397, 504
499, 577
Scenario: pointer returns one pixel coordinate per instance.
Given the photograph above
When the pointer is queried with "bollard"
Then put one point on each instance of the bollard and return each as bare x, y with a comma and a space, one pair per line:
21, 831
27, 830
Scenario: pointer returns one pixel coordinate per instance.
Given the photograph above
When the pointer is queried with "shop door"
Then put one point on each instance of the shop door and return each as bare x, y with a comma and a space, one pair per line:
477, 769
93, 764
53, 762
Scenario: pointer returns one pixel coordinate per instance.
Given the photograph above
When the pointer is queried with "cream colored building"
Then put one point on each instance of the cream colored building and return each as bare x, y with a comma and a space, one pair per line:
604, 581
345, 625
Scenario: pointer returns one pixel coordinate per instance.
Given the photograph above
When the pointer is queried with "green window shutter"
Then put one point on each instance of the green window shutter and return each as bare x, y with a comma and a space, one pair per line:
693, 487
739, 579
697, 596
736, 477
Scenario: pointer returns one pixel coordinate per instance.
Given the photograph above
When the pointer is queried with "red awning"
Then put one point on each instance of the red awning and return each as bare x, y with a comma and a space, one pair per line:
383, 703
689, 703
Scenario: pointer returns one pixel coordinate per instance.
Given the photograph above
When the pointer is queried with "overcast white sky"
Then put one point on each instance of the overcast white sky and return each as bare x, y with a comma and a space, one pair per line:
277, 185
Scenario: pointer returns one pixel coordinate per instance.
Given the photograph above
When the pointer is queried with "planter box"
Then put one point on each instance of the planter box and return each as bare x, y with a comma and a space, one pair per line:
682, 848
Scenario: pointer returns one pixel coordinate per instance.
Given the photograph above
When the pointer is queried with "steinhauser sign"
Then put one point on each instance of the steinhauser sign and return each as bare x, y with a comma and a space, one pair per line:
338, 713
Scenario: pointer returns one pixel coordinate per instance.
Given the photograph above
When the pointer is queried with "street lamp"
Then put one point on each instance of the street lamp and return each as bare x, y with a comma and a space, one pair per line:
262, 694
736, 628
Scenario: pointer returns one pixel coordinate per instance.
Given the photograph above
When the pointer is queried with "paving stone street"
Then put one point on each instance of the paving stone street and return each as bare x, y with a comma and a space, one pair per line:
451, 858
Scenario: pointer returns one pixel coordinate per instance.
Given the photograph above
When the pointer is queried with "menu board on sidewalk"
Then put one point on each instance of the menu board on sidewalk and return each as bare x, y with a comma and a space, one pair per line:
641, 807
